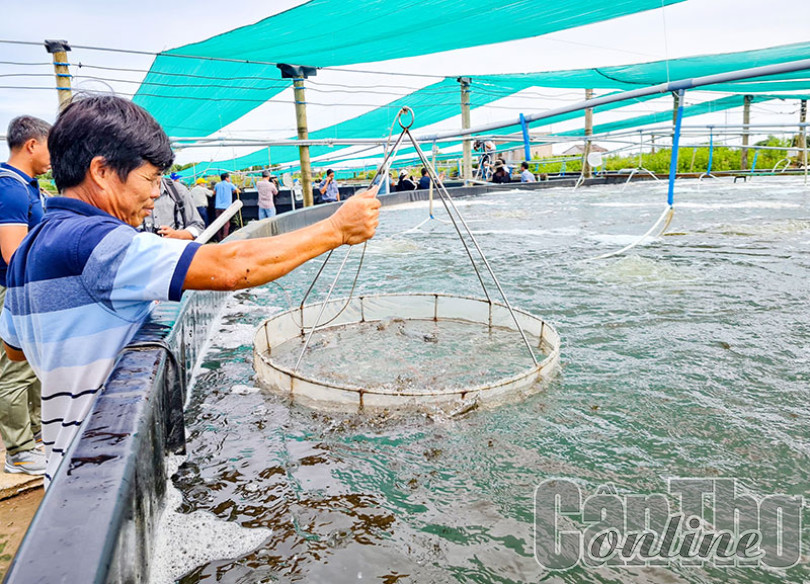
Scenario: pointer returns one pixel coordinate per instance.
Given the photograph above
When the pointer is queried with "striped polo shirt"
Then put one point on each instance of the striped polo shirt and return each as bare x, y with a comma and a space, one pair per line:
79, 287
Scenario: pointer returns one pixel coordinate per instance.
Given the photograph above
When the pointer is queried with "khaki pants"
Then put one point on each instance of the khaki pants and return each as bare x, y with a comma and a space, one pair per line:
20, 401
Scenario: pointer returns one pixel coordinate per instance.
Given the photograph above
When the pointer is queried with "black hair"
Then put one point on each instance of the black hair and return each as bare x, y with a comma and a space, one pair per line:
122, 133
266, 174
524, 165
424, 171
24, 128
224, 176
330, 171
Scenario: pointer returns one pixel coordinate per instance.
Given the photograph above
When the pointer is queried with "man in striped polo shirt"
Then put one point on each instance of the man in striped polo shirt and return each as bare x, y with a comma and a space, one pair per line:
84, 280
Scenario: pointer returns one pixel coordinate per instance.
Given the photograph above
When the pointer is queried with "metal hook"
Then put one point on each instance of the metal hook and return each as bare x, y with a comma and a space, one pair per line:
405, 110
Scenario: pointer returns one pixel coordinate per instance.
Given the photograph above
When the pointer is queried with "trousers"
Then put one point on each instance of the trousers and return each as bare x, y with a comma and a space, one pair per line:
20, 401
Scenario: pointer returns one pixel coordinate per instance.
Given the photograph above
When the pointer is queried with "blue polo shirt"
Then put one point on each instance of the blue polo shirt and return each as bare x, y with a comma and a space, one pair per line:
223, 194
331, 194
79, 287
20, 204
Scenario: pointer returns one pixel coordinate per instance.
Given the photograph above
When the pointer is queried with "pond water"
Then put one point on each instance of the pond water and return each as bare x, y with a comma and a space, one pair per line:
688, 357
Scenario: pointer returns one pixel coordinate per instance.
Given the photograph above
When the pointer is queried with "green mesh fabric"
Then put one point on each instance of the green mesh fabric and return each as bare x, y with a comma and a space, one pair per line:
376, 124
342, 33
716, 105
440, 101
323, 33
287, 154
195, 97
626, 77
664, 116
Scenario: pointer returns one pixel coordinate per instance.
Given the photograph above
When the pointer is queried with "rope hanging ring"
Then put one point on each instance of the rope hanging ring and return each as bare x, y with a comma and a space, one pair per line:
405, 110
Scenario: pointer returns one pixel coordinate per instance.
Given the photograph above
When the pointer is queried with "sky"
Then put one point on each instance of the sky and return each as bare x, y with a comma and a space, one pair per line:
690, 28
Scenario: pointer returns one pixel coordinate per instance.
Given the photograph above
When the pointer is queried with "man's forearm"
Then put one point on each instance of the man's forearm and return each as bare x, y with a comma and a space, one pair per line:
242, 264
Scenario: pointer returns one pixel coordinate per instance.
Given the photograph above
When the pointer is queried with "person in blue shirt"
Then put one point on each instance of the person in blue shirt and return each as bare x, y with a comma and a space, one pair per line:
525, 174
424, 182
223, 197
20, 210
84, 280
328, 188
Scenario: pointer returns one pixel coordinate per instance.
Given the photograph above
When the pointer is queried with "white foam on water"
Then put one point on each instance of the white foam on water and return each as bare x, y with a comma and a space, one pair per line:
244, 389
511, 232
620, 239
739, 205
233, 336
637, 269
628, 204
185, 541
393, 245
789, 226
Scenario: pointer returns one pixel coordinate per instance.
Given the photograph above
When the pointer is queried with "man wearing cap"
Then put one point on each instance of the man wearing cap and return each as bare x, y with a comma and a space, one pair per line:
200, 195
405, 182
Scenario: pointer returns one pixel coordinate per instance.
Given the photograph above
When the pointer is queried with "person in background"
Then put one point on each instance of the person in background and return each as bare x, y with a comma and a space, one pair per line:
328, 188
487, 149
501, 175
175, 215
525, 174
85, 279
200, 195
267, 192
406, 183
505, 164
424, 182
223, 197
20, 211
175, 178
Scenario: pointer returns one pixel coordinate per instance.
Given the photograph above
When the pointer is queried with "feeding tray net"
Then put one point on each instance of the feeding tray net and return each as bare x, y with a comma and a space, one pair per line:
386, 351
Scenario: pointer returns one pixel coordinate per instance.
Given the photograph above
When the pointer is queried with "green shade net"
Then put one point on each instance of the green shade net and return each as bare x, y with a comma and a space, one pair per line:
194, 97
376, 124
343, 33
627, 77
707, 107
440, 101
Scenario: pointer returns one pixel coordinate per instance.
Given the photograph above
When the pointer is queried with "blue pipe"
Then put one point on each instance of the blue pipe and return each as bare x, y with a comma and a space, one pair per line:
676, 142
754, 164
527, 151
711, 150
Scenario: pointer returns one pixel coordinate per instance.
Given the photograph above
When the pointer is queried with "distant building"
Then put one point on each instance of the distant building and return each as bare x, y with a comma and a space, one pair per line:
579, 149
515, 157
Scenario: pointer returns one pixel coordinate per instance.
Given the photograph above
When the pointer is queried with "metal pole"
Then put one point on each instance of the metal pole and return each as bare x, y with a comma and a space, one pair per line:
59, 51
676, 140
303, 134
465, 124
527, 149
803, 134
586, 166
675, 104
746, 120
430, 191
711, 150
